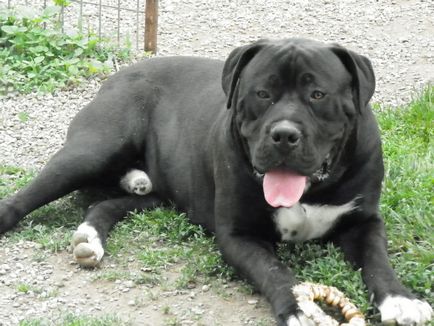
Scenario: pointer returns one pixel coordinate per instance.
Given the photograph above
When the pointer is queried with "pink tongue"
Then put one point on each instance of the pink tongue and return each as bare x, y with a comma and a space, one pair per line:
283, 188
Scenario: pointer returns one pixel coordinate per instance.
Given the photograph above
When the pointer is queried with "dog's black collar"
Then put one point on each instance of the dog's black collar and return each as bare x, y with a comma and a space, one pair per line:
323, 172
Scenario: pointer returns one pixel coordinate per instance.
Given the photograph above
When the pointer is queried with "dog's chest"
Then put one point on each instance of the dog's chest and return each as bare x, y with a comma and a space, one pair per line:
303, 222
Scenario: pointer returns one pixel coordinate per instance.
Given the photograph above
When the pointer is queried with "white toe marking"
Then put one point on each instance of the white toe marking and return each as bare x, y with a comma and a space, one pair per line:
300, 320
293, 321
92, 239
136, 182
315, 314
405, 311
309, 308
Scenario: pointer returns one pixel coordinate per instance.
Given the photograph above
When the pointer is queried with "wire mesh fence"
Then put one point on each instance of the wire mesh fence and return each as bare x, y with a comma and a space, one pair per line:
122, 21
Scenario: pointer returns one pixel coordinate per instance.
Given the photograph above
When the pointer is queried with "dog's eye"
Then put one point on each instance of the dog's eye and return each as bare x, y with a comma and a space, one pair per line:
263, 94
317, 95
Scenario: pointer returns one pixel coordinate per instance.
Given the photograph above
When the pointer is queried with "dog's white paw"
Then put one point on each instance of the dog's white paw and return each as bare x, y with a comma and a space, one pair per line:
300, 320
311, 314
136, 182
404, 311
87, 247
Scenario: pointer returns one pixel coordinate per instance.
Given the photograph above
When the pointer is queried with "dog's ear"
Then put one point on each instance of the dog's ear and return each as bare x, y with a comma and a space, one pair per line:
363, 78
234, 65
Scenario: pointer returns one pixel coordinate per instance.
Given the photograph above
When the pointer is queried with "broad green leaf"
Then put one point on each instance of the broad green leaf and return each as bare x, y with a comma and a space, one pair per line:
73, 70
51, 11
37, 49
10, 29
41, 48
72, 61
82, 43
39, 59
50, 33
78, 52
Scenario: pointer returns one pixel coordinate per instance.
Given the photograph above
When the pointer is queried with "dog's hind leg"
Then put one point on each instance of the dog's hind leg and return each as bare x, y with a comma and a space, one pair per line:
89, 239
81, 161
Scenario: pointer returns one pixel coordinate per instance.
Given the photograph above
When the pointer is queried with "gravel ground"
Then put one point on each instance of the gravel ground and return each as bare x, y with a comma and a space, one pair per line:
395, 34
39, 284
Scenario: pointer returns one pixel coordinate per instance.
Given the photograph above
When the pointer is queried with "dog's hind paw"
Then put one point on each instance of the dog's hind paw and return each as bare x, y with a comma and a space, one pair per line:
404, 311
136, 182
87, 247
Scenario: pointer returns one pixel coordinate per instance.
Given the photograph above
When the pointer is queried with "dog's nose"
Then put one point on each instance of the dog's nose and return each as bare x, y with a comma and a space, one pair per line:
285, 134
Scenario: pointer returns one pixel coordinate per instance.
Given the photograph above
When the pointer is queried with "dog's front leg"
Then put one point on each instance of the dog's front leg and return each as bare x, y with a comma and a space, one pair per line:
255, 259
365, 245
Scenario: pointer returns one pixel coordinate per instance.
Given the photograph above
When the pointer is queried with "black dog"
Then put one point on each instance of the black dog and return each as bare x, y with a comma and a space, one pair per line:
287, 149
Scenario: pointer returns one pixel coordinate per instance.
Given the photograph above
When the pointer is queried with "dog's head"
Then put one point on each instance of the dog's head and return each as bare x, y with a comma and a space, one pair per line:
295, 104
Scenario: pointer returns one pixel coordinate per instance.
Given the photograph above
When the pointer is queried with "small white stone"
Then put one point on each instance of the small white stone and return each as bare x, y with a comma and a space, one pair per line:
129, 284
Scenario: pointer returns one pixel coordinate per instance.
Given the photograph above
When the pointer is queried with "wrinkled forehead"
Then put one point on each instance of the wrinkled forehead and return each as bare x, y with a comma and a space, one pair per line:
291, 61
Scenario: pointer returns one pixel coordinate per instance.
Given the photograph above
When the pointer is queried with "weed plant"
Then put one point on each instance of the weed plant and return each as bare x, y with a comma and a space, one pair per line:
35, 55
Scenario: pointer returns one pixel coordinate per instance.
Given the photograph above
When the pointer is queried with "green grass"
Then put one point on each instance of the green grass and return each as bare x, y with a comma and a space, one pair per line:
27, 288
47, 225
161, 241
73, 320
23, 288
408, 196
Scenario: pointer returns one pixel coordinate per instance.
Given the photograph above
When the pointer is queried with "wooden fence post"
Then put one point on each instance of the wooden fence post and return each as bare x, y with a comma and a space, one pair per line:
151, 25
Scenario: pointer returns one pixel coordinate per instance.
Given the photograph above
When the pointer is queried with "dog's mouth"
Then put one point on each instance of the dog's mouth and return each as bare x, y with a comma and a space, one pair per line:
284, 188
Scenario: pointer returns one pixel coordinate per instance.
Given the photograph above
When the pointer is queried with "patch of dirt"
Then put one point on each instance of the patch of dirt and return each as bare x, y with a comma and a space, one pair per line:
38, 284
